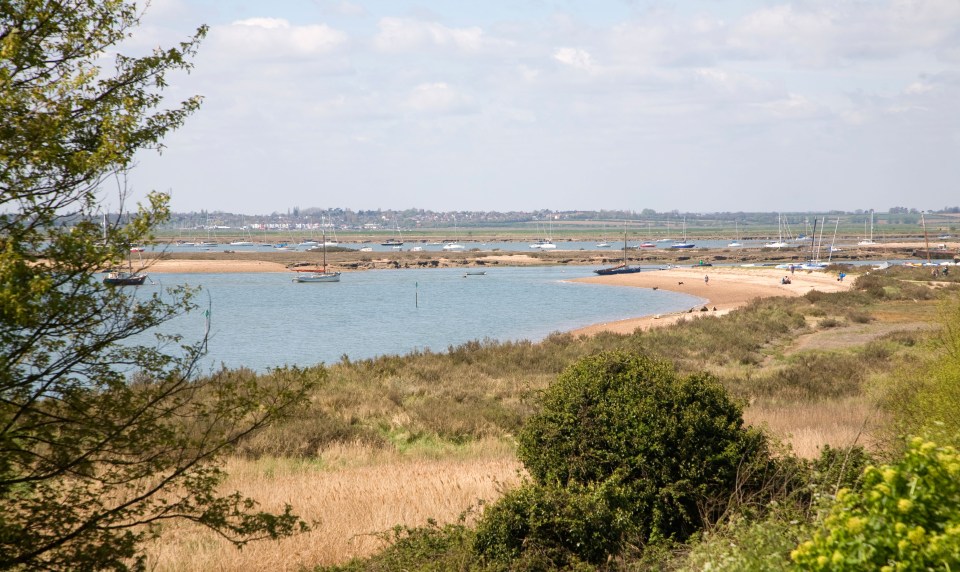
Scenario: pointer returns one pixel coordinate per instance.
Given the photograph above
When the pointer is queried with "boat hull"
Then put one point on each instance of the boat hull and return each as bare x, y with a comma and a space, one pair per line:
124, 279
309, 277
617, 270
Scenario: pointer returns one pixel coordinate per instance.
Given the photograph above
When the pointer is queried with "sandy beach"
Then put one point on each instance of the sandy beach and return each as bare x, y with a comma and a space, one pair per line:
728, 288
178, 266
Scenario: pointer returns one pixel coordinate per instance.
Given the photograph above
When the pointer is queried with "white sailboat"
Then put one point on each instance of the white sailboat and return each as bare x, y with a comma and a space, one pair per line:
683, 243
779, 243
545, 243
247, 239
318, 276
603, 243
455, 245
736, 237
869, 240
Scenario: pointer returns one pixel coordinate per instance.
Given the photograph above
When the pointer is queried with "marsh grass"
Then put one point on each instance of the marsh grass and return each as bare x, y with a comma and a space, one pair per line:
809, 426
352, 493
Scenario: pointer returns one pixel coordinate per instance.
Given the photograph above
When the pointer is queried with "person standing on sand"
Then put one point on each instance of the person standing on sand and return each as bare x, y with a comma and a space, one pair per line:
706, 280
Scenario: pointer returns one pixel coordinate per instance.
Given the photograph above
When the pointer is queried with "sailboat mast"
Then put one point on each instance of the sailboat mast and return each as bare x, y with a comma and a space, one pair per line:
926, 239
834, 241
624, 244
813, 243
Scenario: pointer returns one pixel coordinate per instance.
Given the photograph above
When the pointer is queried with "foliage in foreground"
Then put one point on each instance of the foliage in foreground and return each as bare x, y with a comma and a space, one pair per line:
623, 450
762, 540
906, 517
104, 432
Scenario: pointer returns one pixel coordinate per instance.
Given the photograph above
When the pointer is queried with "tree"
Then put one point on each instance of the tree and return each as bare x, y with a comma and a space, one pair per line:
103, 435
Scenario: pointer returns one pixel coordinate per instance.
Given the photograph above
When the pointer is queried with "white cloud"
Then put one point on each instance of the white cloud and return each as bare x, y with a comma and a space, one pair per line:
273, 38
918, 87
575, 58
402, 34
436, 97
560, 101
791, 107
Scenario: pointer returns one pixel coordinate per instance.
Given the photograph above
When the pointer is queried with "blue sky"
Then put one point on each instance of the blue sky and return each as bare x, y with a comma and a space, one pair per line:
701, 105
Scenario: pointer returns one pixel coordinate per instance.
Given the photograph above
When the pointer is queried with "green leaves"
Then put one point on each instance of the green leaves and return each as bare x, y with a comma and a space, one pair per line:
906, 517
628, 450
101, 436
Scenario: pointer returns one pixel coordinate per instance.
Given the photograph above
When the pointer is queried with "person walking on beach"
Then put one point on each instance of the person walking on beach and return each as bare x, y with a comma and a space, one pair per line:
706, 280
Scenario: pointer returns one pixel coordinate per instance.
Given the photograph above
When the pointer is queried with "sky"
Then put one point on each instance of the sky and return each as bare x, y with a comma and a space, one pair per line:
503, 105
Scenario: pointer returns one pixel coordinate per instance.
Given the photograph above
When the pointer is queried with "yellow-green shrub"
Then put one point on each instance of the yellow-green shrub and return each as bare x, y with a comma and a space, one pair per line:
906, 517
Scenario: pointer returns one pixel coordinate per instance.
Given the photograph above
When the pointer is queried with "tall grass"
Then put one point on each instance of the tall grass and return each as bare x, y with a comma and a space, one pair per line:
352, 493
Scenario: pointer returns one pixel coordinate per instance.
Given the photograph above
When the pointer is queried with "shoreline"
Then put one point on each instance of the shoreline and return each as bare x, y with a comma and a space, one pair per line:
728, 288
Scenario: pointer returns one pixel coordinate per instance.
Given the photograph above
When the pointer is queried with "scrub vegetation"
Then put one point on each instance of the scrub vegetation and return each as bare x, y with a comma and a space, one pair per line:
804, 408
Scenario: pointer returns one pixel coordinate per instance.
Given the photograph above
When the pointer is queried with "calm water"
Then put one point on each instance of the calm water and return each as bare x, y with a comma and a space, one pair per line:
266, 320
615, 247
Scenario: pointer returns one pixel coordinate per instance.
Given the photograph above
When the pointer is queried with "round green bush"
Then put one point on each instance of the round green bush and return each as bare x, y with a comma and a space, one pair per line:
676, 445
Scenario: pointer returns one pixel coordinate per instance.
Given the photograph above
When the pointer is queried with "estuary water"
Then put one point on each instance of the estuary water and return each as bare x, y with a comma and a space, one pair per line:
261, 321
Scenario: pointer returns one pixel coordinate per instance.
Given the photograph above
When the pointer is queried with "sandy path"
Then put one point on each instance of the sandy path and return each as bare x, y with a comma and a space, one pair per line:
728, 288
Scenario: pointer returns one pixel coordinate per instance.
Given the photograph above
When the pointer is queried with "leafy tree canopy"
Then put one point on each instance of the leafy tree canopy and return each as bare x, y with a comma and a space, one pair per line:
102, 436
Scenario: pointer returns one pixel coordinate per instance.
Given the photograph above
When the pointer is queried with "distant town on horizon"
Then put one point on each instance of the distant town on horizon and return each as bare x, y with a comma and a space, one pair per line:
421, 218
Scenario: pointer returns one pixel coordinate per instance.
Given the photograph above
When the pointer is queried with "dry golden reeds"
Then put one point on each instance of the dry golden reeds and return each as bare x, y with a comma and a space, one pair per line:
352, 493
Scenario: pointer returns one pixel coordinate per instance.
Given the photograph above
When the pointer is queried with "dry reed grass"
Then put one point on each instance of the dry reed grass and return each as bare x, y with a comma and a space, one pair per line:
808, 426
352, 493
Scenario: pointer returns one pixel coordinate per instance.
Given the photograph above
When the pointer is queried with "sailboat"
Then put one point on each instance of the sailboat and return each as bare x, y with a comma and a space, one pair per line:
393, 242
603, 243
736, 237
545, 243
322, 275
868, 241
683, 243
833, 248
816, 242
246, 240
648, 243
620, 268
453, 245
118, 277
779, 243
124, 277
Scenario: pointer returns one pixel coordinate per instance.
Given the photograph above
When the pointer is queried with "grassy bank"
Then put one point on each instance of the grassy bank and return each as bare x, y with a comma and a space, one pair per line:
422, 437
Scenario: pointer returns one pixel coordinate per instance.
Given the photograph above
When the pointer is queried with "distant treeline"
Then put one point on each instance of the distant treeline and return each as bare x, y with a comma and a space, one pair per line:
339, 218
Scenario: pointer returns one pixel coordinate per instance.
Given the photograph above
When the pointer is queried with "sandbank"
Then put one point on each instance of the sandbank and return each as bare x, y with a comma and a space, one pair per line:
180, 266
727, 289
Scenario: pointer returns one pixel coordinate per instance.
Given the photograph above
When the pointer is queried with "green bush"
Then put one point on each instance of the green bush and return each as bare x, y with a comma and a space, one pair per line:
545, 525
763, 540
631, 434
907, 517
430, 548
